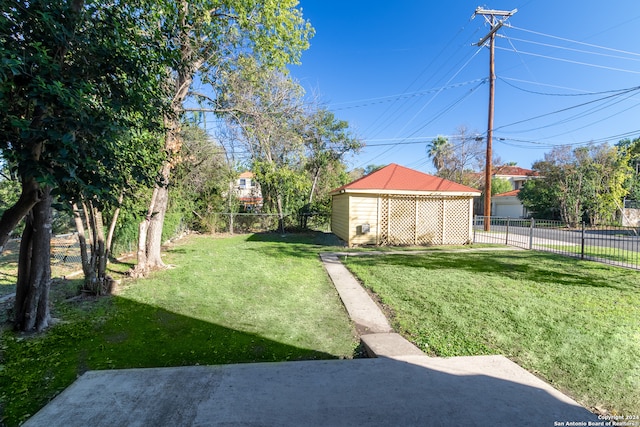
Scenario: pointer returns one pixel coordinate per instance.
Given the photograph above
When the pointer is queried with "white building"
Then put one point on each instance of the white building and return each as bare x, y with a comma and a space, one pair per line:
248, 192
507, 204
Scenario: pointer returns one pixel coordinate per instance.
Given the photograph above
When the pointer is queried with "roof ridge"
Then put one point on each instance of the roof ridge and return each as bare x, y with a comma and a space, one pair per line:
394, 177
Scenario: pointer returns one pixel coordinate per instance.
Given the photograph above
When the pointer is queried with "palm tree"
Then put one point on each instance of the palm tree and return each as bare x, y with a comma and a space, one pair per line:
438, 151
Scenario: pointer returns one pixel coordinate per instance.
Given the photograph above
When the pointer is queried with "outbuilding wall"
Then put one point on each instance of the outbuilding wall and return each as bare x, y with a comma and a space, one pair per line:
340, 216
363, 213
383, 219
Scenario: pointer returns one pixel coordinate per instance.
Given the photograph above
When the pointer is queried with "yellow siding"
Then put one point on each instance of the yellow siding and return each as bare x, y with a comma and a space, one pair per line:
340, 216
363, 209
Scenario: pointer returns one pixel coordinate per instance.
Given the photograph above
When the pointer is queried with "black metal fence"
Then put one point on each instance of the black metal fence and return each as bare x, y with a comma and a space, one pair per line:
607, 244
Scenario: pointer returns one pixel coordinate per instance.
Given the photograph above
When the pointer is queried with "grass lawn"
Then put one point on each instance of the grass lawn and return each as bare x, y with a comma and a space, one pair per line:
240, 299
574, 323
618, 255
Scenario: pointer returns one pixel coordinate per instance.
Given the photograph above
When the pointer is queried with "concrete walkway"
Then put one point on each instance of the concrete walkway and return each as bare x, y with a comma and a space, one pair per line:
398, 386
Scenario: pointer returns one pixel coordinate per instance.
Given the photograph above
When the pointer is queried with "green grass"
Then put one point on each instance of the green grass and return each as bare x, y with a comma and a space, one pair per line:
623, 256
574, 323
241, 299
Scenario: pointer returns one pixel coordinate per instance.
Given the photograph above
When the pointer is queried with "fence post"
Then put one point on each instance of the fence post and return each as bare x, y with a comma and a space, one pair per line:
506, 240
475, 220
533, 225
582, 245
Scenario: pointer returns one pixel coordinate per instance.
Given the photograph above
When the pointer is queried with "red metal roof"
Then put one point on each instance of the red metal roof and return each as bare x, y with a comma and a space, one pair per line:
513, 171
396, 177
507, 194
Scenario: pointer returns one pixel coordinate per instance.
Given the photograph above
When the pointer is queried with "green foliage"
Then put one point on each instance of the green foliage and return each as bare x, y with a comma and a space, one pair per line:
75, 86
217, 306
631, 149
499, 186
9, 189
439, 149
540, 199
327, 141
572, 322
587, 183
200, 185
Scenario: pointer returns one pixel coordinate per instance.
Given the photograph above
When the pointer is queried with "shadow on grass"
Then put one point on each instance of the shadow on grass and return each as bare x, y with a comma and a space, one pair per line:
535, 266
304, 244
118, 333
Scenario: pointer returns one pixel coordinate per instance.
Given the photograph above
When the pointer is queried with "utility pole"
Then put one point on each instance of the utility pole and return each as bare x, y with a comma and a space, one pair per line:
490, 17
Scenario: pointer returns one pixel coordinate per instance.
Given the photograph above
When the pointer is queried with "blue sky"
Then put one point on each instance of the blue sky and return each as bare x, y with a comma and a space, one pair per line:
403, 72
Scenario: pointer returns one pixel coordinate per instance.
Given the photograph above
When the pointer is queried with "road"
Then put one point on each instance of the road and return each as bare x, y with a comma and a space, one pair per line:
519, 236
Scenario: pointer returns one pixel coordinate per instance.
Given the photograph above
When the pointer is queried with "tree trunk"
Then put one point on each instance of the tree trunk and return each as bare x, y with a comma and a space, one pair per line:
34, 269
29, 196
316, 175
280, 211
154, 232
93, 255
82, 240
99, 253
150, 230
112, 226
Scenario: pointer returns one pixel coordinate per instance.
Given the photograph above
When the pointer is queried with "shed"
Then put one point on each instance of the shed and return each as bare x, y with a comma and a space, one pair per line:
398, 206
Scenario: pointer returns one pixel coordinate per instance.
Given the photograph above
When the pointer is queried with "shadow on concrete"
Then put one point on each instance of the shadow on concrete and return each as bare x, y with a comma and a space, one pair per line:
369, 392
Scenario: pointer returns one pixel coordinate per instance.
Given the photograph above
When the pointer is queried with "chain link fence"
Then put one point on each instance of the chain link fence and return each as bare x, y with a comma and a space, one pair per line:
233, 223
65, 258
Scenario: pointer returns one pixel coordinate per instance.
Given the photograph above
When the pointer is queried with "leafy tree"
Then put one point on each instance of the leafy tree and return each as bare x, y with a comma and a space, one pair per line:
439, 150
267, 109
71, 81
9, 187
540, 198
631, 149
457, 159
207, 38
499, 186
201, 179
327, 140
586, 183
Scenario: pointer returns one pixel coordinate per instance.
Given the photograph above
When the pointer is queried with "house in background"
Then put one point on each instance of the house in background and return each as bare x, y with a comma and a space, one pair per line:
248, 192
400, 206
516, 175
507, 204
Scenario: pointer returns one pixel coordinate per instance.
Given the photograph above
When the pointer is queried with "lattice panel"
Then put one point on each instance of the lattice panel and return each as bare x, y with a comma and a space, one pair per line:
429, 221
384, 221
456, 221
402, 225
415, 220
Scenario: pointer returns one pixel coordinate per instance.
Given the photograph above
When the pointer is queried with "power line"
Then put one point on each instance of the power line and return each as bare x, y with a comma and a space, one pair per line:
570, 61
380, 124
449, 108
570, 144
636, 88
440, 91
585, 93
391, 98
571, 49
574, 41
